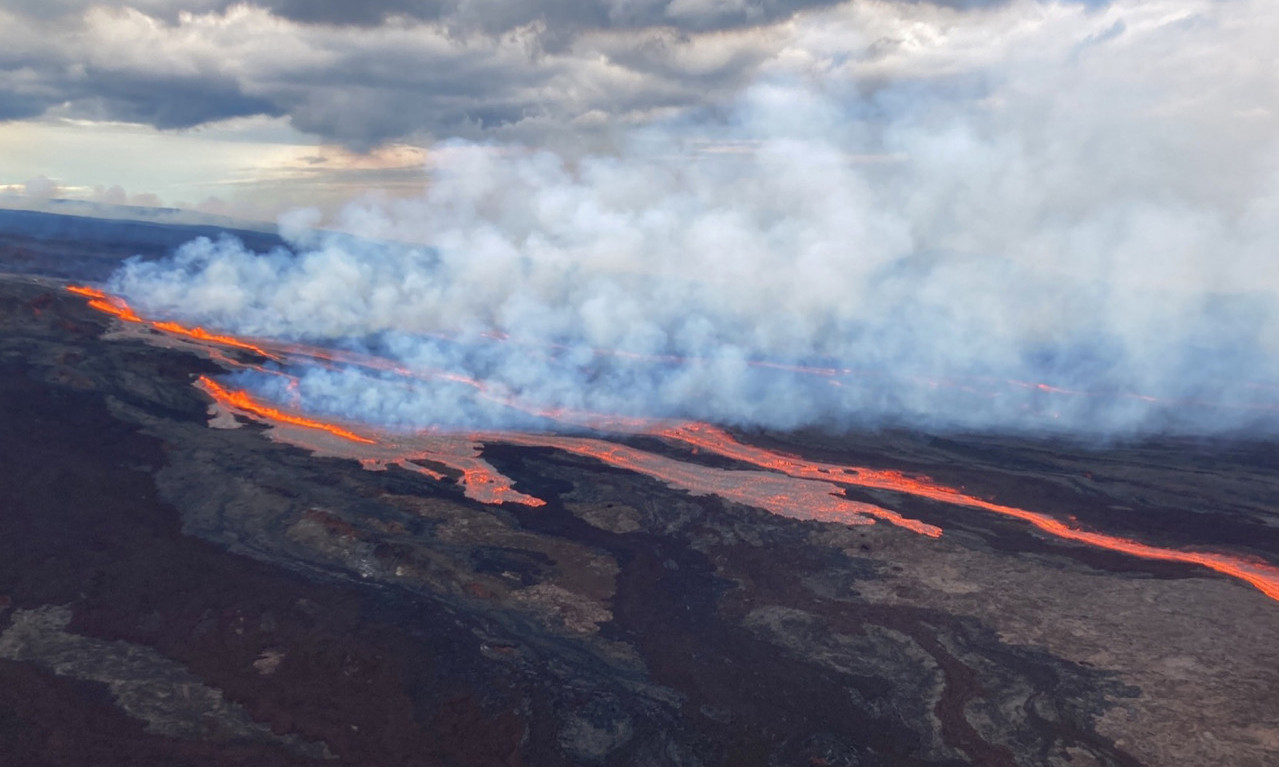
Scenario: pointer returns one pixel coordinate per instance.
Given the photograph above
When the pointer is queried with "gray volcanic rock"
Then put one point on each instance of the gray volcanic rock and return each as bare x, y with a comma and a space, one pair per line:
144, 683
174, 593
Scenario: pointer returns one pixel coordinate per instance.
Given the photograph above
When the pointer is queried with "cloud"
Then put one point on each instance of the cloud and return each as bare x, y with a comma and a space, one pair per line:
491, 16
357, 85
366, 73
166, 102
41, 188
1014, 219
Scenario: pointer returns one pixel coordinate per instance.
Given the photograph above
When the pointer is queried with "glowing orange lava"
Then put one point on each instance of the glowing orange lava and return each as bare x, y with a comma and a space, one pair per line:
107, 304
117, 307
782, 495
242, 401
86, 291
788, 485
200, 334
1263, 576
479, 480
486, 485
777, 493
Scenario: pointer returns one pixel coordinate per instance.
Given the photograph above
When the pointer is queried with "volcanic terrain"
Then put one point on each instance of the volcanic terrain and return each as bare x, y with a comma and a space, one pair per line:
191, 575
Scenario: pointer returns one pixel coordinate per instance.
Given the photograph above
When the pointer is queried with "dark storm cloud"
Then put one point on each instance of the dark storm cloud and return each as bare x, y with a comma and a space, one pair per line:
346, 73
365, 73
21, 107
43, 79
341, 12
499, 69
558, 16
567, 15
493, 16
168, 103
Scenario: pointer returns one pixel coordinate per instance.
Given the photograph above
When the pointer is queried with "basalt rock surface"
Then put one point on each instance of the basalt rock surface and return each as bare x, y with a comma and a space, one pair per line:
172, 593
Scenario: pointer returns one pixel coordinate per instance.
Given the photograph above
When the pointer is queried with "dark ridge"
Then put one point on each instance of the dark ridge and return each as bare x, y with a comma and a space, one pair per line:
86, 248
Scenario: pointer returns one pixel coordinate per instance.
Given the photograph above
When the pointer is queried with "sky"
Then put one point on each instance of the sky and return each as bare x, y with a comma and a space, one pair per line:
955, 200
253, 108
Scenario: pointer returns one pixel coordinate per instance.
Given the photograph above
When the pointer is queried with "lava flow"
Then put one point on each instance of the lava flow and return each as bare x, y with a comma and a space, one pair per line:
104, 303
117, 307
1263, 576
787, 485
242, 401
777, 493
479, 480
782, 495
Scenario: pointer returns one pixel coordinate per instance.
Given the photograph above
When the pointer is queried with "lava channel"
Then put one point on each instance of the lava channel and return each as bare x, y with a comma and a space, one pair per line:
1263, 576
789, 485
117, 307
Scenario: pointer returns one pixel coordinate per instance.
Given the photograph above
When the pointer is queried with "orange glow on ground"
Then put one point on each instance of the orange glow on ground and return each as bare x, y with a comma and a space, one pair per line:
486, 485
117, 307
479, 480
105, 303
782, 495
86, 291
787, 485
240, 400
200, 334
1264, 577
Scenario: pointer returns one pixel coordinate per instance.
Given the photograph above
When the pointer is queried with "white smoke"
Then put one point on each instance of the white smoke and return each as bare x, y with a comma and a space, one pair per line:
1048, 194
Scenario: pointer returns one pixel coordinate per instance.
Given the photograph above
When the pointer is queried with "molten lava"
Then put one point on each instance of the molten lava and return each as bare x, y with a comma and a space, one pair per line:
240, 400
86, 291
1264, 577
782, 495
107, 304
200, 334
118, 308
479, 480
785, 484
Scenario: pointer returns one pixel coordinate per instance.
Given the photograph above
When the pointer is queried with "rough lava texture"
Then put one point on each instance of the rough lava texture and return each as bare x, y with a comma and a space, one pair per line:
175, 593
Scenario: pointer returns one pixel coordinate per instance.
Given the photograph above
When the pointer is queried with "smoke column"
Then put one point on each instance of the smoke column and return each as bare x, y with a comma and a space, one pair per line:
1072, 228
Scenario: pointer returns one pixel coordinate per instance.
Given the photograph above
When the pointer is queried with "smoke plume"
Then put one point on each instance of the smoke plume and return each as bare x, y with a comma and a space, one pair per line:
1057, 218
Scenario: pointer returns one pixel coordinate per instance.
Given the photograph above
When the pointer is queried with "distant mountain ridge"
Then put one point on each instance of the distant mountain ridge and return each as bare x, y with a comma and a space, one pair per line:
86, 247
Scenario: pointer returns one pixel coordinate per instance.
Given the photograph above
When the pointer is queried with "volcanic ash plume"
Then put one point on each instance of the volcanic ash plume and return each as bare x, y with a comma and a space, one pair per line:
1066, 237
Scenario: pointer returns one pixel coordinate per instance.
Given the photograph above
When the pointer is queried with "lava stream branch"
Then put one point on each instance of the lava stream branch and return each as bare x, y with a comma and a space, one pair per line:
241, 400
118, 308
479, 480
788, 485
782, 495
1263, 576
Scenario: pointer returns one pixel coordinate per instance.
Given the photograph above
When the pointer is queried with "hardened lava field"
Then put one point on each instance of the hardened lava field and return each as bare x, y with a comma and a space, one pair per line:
267, 592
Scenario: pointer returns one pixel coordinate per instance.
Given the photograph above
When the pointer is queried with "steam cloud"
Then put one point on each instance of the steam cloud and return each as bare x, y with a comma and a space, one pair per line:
1091, 204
